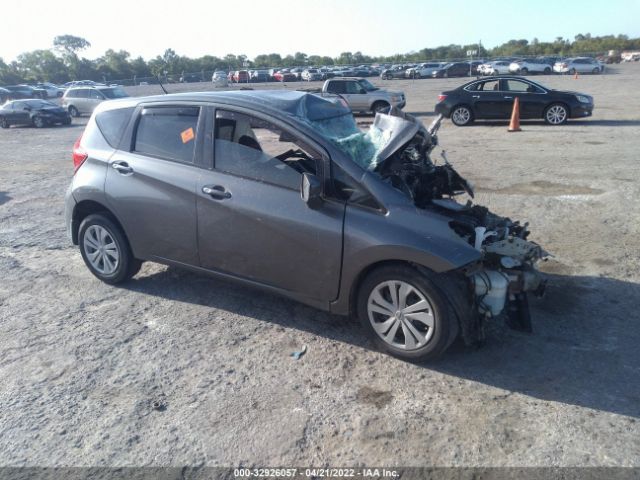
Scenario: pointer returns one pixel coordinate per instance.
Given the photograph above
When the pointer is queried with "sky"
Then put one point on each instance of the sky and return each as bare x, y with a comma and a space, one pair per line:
324, 27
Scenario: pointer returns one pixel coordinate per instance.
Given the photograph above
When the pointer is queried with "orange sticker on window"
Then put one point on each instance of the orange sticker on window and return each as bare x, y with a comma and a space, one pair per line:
187, 135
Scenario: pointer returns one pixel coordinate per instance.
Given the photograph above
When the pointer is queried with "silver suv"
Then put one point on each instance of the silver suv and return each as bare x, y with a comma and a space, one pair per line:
83, 100
281, 190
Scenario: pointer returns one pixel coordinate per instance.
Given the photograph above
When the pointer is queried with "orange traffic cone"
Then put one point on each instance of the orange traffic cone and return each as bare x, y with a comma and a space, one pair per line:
514, 124
575, 75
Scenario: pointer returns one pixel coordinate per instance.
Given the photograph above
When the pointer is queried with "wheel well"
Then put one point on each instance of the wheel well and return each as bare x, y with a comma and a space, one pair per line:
378, 102
558, 103
463, 105
355, 286
88, 207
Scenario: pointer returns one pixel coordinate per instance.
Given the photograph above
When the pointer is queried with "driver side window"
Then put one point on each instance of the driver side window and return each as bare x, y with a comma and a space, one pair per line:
254, 148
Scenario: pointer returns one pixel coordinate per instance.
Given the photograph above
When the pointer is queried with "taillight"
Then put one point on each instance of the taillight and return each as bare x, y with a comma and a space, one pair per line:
79, 155
441, 98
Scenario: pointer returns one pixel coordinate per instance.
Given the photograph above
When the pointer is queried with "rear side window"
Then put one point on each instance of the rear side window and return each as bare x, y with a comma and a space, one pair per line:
336, 87
168, 132
112, 124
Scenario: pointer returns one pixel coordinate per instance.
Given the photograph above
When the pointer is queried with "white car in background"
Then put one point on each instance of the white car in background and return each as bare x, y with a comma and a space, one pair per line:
219, 79
496, 67
530, 65
53, 91
311, 74
423, 70
578, 65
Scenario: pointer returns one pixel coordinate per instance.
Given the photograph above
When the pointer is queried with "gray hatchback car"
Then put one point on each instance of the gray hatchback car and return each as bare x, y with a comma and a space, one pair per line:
282, 191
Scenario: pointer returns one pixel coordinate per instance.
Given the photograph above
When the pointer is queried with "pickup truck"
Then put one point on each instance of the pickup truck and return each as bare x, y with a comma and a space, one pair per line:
363, 96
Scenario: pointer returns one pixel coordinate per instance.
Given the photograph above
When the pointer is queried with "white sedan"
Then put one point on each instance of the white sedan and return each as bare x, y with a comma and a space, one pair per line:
578, 65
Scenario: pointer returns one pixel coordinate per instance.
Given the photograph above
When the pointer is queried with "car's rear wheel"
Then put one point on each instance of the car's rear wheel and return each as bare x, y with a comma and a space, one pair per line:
105, 250
405, 313
524, 71
38, 121
380, 107
461, 116
547, 71
556, 114
4, 123
73, 111
596, 70
572, 71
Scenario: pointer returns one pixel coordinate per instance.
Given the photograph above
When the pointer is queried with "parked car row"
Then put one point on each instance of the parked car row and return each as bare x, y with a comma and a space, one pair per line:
541, 65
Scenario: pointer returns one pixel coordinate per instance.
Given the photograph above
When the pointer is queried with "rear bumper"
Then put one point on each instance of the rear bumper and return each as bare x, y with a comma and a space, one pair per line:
69, 206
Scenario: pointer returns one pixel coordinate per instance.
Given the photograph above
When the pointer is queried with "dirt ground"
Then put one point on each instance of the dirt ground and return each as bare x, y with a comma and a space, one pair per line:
179, 369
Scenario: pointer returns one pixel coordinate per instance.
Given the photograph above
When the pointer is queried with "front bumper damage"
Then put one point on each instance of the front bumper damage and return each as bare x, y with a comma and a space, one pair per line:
497, 285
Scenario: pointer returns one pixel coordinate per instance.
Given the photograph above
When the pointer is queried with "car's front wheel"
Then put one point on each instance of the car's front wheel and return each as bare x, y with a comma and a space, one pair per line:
405, 313
461, 116
596, 70
38, 121
524, 71
105, 250
556, 114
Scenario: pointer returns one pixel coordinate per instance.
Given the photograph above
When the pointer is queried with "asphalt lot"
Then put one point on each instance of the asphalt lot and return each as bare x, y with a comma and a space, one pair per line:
179, 369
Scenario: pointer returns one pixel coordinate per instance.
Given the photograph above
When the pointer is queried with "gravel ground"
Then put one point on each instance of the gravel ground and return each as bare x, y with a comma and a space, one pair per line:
179, 369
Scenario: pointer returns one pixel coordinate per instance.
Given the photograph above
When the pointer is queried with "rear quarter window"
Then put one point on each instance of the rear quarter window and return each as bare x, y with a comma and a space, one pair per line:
112, 124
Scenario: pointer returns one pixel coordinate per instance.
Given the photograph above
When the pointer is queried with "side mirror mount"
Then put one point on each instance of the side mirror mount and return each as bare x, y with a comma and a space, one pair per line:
311, 190
363, 91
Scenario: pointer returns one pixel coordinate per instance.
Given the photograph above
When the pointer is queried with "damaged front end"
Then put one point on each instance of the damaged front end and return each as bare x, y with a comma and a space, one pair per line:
398, 148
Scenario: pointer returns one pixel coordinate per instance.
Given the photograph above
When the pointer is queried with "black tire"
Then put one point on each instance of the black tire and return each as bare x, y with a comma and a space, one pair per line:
126, 265
4, 123
572, 71
596, 70
73, 111
547, 71
524, 71
445, 324
557, 107
66, 121
39, 122
380, 107
459, 117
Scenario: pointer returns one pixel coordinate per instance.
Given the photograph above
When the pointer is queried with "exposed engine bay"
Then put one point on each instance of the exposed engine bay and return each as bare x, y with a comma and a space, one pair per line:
499, 283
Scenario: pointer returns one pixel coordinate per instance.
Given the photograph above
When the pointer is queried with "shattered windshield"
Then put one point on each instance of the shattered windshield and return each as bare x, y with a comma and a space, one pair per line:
362, 147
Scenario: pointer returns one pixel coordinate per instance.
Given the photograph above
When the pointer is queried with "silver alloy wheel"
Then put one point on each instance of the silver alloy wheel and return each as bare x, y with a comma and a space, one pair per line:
101, 249
38, 122
461, 116
556, 114
401, 315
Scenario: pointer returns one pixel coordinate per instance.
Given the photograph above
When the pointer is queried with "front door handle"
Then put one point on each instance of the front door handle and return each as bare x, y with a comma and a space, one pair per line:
216, 191
508, 98
475, 96
122, 167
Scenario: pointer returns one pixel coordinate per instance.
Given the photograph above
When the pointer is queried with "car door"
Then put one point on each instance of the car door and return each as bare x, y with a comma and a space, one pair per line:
357, 96
21, 114
95, 98
252, 222
151, 182
532, 99
81, 100
487, 99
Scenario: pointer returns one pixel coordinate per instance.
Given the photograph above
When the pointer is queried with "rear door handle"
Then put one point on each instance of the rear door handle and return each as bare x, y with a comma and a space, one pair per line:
122, 167
508, 98
217, 192
475, 96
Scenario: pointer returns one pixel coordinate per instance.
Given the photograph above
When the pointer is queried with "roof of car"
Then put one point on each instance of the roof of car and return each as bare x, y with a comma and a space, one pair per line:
297, 104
